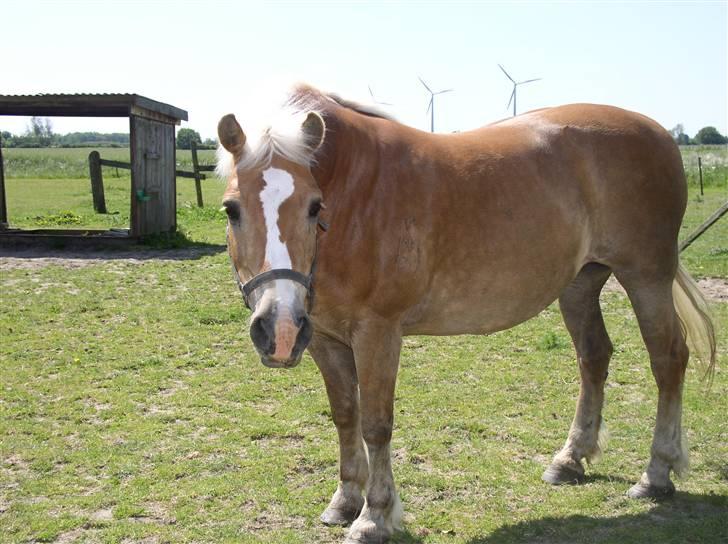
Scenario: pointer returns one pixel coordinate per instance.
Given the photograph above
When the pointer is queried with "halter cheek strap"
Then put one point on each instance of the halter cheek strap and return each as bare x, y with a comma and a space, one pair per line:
247, 288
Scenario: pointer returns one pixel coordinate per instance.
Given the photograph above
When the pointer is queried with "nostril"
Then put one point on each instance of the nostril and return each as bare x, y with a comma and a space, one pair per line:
301, 320
261, 332
305, 332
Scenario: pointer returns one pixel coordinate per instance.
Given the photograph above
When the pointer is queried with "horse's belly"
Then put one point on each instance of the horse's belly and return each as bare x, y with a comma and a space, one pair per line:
482, 309
493, 294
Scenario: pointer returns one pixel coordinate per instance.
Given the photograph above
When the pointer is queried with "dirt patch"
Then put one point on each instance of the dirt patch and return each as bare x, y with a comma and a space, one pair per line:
34, 258
74, 535
272, 518
714, 289
105, 514
155, 512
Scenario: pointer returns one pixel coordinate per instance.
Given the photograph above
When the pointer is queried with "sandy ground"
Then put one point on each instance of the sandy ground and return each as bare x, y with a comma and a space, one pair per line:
715, 289
33, 258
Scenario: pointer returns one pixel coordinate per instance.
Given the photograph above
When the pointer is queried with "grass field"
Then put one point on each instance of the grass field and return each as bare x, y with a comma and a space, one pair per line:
134, 410
72, 163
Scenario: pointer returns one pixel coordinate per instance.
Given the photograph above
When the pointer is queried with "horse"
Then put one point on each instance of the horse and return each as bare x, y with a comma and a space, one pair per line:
348, 230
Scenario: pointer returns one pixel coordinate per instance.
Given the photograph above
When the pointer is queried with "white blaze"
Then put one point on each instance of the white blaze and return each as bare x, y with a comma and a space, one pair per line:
278, 187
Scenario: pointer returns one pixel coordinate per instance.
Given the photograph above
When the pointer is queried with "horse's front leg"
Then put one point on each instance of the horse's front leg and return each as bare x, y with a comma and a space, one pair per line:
376, 348
336, 363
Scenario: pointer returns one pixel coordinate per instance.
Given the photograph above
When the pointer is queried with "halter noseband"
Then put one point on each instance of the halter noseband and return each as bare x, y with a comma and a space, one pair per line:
247, 288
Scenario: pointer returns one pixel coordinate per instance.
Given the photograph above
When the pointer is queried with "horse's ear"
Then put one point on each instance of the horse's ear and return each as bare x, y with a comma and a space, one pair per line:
314, 129
231, 135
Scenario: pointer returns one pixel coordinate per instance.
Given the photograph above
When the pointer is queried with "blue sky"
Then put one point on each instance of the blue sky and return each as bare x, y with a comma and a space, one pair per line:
667, 60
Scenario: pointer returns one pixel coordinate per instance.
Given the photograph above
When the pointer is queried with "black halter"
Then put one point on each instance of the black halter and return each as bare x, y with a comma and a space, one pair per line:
247, 288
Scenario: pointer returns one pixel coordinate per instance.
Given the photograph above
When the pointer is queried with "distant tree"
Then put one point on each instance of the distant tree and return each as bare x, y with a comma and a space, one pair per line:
96, 139
186, 136
40, 131
5, 135
47, 129
710, 135
678, 134
683, 139
210, 143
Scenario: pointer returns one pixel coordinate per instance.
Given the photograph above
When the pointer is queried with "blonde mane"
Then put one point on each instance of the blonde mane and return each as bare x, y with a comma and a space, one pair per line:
283, 135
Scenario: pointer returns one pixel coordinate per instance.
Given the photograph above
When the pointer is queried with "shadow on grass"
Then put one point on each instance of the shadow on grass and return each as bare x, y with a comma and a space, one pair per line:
686, 518
174, 246
596, 477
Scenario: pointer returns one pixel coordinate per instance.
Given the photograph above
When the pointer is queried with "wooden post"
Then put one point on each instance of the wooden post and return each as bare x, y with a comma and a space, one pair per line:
196, 170
97, 181
700, 173
3, 206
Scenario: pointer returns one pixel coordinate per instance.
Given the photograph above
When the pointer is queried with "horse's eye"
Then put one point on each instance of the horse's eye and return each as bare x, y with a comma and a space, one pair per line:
315, 208
232, 209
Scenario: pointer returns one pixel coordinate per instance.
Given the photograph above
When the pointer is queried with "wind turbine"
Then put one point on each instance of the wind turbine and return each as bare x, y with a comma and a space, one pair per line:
431, 105
515, 86
375, 100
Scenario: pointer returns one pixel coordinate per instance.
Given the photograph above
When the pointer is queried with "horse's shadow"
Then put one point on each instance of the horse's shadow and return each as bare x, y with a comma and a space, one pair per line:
684, 518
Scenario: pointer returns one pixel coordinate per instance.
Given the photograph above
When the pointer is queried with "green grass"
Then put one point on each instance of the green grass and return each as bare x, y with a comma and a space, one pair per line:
708, 255
49, 203
58, 194
72, 163
133, 409
714, 161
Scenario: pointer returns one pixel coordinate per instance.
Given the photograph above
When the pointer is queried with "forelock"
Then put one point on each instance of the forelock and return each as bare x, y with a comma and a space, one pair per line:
283, 137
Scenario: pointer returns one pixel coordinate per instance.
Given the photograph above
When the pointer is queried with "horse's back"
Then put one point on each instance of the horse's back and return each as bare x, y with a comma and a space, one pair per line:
526, 203
619, 171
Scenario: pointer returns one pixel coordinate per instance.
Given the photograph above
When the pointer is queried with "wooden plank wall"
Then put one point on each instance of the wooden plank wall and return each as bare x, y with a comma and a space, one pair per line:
153, 183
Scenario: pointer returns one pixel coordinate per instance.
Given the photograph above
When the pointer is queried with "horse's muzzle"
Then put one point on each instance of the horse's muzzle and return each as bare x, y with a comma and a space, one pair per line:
281, 339
272, 363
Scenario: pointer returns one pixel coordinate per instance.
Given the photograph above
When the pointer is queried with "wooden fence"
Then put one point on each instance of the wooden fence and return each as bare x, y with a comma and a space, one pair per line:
95, 162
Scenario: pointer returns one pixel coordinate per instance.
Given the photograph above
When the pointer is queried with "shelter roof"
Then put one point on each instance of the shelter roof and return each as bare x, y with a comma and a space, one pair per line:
88, 105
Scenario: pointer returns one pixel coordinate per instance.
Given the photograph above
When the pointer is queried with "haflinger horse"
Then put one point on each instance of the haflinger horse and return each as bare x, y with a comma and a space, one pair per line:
466, 233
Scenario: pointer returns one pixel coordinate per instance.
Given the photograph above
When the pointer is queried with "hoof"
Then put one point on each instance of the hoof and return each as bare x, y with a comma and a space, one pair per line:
647, 491
562, 475
366, 532
337, 516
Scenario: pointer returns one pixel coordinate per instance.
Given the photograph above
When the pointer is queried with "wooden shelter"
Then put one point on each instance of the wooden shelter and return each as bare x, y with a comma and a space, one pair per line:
152, 149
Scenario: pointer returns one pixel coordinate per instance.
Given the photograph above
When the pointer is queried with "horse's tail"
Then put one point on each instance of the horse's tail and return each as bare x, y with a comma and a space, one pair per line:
697, 326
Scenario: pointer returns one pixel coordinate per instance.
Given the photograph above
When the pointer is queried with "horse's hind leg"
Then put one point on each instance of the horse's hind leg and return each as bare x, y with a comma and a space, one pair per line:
579, 305
661, 330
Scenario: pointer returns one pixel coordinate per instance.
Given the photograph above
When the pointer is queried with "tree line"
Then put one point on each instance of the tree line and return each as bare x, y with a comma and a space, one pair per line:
705, 136
39, 133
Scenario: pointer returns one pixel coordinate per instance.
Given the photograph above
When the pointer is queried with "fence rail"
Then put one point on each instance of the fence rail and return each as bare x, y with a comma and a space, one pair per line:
720, 212
95, 162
